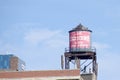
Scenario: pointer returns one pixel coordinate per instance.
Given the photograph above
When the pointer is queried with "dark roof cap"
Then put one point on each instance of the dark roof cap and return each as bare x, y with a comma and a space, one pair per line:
80, 27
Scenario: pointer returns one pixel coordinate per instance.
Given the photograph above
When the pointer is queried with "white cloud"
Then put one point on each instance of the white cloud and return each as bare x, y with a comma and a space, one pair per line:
57, 42
39, 36
7, 48
100, 46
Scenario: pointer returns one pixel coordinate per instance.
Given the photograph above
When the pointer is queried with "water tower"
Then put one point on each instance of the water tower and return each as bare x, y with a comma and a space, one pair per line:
80, 50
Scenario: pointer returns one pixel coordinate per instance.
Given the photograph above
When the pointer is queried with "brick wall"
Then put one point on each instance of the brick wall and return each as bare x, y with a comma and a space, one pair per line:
14, 63
30, 74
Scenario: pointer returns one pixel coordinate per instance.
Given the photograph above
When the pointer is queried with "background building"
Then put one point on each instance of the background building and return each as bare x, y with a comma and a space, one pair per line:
10, 62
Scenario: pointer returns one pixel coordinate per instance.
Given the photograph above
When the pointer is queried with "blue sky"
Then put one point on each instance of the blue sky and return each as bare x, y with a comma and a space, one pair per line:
37, 31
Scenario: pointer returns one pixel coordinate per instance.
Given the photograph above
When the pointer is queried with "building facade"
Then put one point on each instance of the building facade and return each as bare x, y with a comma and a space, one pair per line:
41, 75
10, 62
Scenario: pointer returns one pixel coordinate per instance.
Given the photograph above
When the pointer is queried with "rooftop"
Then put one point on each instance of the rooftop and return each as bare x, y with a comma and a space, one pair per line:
46, 73
80, 27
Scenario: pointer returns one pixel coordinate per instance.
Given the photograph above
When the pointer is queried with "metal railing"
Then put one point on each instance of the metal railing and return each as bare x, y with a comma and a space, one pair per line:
92, 49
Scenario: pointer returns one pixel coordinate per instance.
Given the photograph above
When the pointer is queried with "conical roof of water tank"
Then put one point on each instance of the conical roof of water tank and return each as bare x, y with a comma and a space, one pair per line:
80, 27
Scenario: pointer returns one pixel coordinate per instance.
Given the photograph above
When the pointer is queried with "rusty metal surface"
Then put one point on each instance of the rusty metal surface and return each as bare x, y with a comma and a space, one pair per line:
86, 55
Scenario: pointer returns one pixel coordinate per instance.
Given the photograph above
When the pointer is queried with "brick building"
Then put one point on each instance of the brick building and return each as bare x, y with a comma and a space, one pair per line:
41, 75
9, 62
